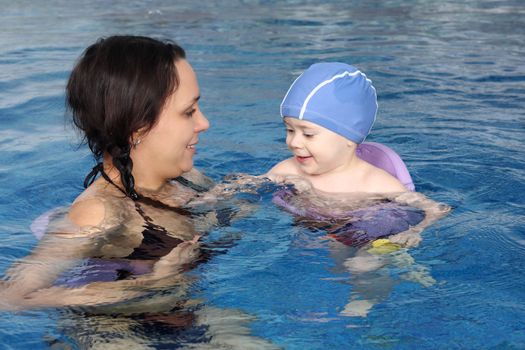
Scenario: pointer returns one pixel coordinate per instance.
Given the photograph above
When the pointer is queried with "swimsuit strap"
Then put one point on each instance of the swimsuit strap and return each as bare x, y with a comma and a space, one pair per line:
90, 178
99, 168
187, 183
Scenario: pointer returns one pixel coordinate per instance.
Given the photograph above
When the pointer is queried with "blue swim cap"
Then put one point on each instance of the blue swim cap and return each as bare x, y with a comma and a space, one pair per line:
336, 96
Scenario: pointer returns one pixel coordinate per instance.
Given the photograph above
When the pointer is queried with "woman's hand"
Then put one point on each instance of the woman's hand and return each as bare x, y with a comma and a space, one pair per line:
230, 186
172, 263
300, 184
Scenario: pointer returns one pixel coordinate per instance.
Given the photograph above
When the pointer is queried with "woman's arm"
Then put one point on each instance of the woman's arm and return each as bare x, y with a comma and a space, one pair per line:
55, 254
103, 293
69, 240
228, 188
30, 281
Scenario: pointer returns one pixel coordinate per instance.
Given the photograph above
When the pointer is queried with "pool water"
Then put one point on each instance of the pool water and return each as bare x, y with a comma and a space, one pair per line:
451, 88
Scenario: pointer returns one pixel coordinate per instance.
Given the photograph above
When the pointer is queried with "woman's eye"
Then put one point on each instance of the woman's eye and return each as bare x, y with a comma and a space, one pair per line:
189, 114
289, 131
308, 135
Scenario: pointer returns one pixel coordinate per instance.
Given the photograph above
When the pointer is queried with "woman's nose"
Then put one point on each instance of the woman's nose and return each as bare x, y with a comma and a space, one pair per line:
202, 123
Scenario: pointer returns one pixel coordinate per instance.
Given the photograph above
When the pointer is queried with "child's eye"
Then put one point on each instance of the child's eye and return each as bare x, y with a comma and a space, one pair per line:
289, 131
189, 114
308, 135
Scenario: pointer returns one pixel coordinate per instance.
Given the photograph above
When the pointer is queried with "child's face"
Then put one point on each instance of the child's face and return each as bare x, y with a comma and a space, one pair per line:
317, 150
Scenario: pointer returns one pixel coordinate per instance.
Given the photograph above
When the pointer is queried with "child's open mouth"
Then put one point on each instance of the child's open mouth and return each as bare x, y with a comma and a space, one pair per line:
301, 159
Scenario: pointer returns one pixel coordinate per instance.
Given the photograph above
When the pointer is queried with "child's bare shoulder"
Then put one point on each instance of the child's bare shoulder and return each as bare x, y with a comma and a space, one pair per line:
285, 167
380, 181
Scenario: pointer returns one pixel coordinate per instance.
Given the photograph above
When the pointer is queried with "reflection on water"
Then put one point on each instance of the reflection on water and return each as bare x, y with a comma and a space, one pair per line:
449, 77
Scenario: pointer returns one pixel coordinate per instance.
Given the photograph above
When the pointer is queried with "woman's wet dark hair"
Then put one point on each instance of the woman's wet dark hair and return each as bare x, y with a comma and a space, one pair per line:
119, 86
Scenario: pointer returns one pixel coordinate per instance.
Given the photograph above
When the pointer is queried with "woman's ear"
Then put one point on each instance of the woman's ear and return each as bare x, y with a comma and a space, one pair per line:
136, 137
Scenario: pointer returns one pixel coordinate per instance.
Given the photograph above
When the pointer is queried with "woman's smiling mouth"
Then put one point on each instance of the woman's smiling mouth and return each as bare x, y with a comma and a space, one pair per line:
191, 146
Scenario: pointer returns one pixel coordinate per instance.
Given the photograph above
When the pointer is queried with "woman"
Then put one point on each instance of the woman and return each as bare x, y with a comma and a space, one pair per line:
123, 245
136, 102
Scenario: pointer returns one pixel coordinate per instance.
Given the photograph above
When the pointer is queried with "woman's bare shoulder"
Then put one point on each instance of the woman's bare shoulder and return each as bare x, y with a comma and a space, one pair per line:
96, 206
87, 212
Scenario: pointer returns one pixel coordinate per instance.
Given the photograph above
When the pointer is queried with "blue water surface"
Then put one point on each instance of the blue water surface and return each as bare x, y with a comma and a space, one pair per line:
450, 78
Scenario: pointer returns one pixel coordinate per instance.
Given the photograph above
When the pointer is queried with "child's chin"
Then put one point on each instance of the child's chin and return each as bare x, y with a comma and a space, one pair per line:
310, 171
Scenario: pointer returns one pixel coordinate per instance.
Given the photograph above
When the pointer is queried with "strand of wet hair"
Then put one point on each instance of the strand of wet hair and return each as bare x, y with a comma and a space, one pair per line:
123, 162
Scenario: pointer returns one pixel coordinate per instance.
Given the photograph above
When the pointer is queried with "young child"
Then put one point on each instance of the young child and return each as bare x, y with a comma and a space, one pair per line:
328, 111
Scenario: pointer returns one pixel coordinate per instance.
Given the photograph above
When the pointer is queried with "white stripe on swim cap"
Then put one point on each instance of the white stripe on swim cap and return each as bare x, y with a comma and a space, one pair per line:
338, 76
287, 92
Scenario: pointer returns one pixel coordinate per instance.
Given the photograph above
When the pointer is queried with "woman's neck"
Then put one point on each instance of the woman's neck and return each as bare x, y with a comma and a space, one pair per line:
141, 183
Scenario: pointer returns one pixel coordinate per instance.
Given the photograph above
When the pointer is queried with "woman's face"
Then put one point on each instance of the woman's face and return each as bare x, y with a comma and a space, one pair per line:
167, 150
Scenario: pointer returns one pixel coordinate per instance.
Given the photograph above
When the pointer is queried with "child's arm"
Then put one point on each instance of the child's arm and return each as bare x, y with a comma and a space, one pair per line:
433, 211
286, 172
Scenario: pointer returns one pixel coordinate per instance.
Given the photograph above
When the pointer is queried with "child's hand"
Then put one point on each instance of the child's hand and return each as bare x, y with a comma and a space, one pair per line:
410, 238
433, 211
